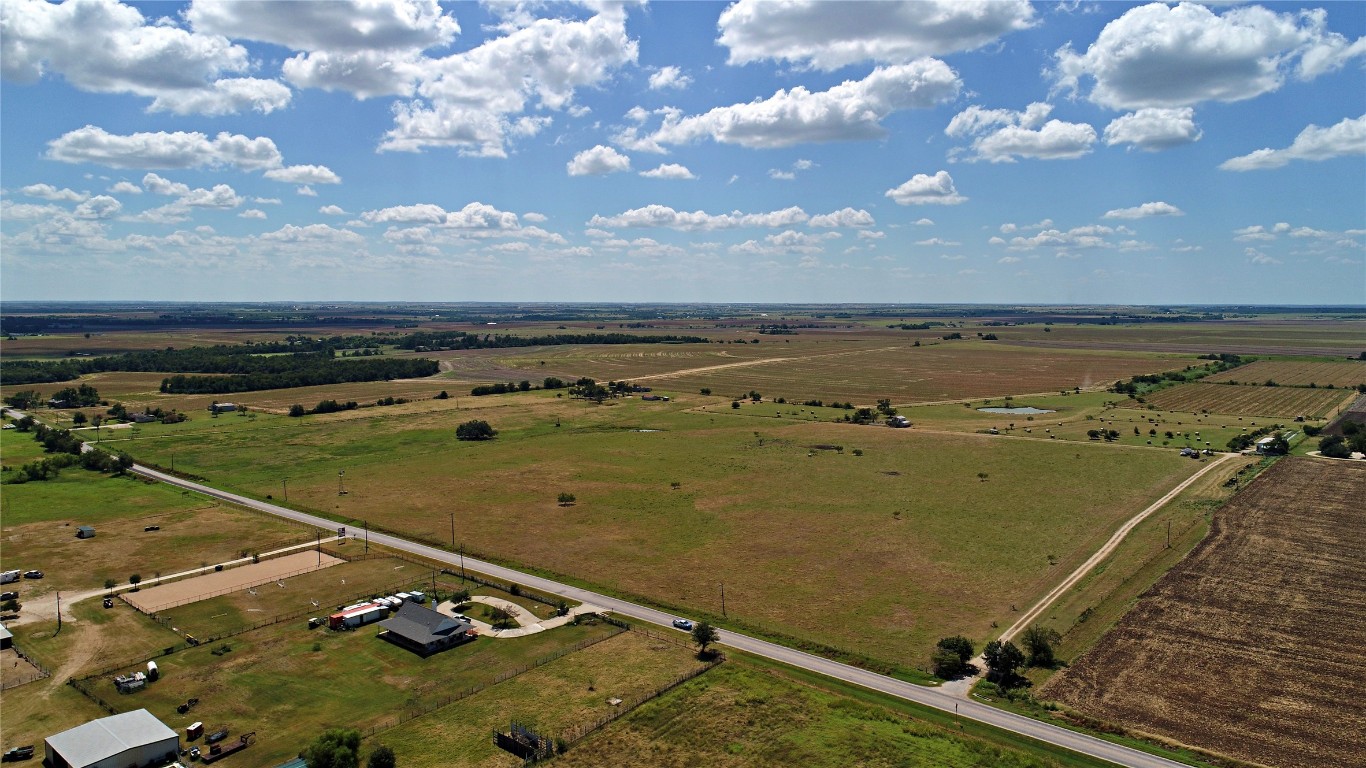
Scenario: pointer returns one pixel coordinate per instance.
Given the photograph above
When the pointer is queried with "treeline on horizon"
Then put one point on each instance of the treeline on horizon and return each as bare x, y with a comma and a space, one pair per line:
434, 341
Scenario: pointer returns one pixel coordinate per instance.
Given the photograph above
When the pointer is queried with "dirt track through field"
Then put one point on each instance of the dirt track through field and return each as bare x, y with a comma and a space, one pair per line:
1251, 646
263, 574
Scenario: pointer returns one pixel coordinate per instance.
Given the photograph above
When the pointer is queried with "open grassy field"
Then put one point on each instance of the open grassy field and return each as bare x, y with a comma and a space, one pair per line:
742, 716
1237, 400
862, 370
896, 547
1296, 373
1237, 645
553, 699
288, 683
40, 520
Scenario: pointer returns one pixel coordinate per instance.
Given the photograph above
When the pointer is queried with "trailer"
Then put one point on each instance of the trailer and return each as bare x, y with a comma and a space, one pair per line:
9, 577
219, 751
357, 616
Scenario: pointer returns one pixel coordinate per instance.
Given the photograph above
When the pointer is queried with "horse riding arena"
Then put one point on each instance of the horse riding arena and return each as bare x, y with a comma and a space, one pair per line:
215, 583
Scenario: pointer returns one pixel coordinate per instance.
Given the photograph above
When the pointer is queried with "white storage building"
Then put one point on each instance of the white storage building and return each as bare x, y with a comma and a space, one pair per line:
130, 740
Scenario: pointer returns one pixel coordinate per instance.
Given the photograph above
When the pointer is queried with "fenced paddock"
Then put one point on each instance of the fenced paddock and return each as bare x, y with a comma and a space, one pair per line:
167, 596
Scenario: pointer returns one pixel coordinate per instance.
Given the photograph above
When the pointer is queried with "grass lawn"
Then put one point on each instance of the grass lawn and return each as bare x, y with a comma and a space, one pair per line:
288, 683
552, 699
882, 553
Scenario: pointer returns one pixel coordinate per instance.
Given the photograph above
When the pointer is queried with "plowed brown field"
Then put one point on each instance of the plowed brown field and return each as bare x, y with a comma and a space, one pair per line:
1232, 400
1252, 646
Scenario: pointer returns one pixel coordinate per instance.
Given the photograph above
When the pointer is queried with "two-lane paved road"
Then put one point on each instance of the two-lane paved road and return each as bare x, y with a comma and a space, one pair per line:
931, 697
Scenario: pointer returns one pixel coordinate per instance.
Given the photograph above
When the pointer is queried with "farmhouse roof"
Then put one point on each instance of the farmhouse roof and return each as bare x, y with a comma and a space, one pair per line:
109, 736
423, 625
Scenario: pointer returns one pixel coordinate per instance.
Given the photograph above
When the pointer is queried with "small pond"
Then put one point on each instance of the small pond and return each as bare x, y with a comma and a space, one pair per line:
1023, 410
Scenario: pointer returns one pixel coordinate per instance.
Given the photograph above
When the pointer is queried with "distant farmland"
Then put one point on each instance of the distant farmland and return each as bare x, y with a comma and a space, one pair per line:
1296, 374
862, 370
1250, 647
1235, 400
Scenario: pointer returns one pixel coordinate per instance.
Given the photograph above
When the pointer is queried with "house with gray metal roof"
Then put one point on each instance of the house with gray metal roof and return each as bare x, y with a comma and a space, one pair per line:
424, 631
130, 740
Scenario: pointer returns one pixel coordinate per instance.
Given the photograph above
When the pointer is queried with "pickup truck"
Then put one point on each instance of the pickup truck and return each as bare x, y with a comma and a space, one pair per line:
18, 753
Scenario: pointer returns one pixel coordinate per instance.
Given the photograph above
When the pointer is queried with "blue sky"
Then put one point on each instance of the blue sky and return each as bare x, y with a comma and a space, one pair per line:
754, 151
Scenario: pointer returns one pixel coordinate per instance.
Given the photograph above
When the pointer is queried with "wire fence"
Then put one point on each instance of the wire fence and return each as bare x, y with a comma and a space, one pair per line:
217, 592
39, 672
432, 705
579, 732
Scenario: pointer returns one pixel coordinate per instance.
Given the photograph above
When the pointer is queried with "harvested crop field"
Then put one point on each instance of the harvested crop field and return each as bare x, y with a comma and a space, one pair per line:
1342, 374
1232, 400
1251, 646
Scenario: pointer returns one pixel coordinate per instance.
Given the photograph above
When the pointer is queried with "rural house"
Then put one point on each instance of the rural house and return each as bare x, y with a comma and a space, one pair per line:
424, 631
130, 740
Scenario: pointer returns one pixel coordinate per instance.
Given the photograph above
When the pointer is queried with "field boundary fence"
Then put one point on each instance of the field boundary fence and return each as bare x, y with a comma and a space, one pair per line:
215, 593
579, 732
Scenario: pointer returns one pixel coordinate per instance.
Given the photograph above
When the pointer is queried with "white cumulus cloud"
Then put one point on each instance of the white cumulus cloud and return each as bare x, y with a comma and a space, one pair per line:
163, 150
303, 174
104, 46
1347, 138
1175, 56
844, 217
1003, 135
49, 192
668, 171
852, 110
598, 161
829, 35
669, 77
1145, 210
1154, 128
664, 216
923, 189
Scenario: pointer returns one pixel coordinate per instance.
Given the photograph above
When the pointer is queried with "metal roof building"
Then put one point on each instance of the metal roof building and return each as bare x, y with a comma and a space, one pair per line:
424, 631
130, 740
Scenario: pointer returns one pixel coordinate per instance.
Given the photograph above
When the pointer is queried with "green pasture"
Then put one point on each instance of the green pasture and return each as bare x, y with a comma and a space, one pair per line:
923, 535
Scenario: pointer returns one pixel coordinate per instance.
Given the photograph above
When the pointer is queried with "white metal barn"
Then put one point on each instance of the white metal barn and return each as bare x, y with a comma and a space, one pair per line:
129, 740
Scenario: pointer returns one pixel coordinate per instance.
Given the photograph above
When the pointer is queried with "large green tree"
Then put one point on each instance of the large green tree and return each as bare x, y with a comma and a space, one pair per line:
381, 757
334, 748
476, 429
1003, 659
1038, 644
951, 655
704, 634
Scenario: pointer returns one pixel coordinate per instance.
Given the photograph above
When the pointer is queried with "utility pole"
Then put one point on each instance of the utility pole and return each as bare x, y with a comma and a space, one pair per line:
341, 488
320, 547
1169, 533
285, 482
723, 599
59, 611
452, 530
367, 536
462, 561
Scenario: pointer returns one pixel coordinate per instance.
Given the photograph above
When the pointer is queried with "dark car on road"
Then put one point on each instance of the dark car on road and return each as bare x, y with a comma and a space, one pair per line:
683, 624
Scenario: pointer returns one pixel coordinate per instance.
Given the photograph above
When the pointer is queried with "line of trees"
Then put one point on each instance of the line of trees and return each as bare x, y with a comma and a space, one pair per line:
431, 341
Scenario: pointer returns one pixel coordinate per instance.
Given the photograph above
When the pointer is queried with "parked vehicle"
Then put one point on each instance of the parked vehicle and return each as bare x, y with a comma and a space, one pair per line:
109, 602
683, 624
152, 528
9, 577
33, 574
194, 753
216, 736
18, 753
8, 596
